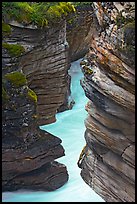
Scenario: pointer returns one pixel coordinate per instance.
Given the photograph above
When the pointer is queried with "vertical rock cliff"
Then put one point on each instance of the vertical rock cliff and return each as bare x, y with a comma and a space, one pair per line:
80, 29
36, 85
46, 67
31, 54
28, 153
108, 159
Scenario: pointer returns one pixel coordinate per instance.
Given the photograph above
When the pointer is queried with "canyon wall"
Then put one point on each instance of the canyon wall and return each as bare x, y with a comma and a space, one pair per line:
80, 29
45, 66
36, 85
108, 159
49, 53
28, 153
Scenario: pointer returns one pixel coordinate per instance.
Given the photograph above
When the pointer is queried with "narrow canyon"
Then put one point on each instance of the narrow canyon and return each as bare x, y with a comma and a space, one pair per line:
36, 85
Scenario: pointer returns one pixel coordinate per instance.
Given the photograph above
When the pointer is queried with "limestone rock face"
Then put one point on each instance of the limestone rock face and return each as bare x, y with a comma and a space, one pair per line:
45, 66
28, 153
108, 163
32, 165
47, 59
80, 30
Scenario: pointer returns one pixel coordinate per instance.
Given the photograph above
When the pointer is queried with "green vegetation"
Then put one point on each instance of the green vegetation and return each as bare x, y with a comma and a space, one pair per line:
32, 95
17, 79
15, 50
16, 11
40, 14
56, 11
6, 29
88, 70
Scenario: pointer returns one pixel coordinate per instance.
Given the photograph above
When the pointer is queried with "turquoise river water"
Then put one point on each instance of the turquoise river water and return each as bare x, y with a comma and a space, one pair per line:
70, 128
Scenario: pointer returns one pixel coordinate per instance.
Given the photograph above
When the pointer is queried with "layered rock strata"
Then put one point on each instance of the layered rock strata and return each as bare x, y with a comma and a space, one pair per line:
80, 29
28, 153
108, 160
31, 152
48, 55
45, 66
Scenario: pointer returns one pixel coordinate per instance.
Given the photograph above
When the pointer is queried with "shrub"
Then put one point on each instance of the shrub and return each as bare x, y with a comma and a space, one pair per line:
41, 14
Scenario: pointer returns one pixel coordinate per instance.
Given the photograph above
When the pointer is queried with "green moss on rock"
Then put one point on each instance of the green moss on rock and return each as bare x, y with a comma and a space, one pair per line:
16, 78
6, 29
32, 95
15, 50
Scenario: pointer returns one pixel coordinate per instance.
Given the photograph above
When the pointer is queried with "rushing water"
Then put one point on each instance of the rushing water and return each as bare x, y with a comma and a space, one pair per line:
70, 128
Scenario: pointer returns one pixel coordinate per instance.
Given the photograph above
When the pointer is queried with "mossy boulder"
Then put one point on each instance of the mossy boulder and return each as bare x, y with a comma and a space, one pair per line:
32, 95
17, 79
